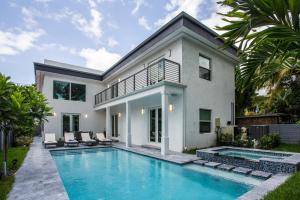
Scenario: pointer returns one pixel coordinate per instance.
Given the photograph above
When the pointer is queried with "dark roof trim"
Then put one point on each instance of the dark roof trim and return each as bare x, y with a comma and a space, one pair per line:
60, 70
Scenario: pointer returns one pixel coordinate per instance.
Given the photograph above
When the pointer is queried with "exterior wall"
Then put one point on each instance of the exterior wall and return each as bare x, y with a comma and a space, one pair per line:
95, 121
216, 95
172, 52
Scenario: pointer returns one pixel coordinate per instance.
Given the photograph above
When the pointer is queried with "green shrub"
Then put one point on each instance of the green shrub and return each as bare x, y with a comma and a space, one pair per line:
269, 141
24, 140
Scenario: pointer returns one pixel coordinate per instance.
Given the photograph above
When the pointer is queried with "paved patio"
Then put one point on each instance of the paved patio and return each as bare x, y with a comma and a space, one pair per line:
38, 177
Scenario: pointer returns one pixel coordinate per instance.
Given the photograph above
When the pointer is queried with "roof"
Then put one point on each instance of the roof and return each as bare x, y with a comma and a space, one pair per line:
181, 20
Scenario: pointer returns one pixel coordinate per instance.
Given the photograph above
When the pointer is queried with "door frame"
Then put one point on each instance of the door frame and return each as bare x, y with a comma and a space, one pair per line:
156, 143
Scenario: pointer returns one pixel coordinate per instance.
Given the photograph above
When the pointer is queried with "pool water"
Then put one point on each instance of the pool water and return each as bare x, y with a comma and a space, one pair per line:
109, 173
251, 155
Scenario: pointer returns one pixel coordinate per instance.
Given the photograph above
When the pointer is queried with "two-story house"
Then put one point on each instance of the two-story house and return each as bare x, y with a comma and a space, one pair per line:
167, 92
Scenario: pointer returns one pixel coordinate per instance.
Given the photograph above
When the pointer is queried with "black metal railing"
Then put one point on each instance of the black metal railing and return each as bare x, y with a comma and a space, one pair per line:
163, 69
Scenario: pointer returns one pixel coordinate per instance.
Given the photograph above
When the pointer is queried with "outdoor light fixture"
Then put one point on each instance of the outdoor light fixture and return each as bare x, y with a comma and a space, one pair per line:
119, 114
171, 107
85, 115
108, 86
54, 114
119, 80
143, 111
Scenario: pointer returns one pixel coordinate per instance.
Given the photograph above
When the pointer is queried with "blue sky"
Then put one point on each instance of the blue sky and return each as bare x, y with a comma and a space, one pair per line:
90, 33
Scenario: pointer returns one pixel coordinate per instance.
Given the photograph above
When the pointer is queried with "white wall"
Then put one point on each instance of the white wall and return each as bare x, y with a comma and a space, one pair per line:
216, 94
95, 121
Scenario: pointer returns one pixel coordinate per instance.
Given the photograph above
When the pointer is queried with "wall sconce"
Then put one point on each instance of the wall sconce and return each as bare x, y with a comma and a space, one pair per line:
107, 85
119, 114
142, 111
85, 116
54, 114
119, 80
171, 107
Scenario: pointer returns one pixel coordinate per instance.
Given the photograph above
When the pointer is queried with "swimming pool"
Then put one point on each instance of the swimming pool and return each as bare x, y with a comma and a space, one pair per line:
109, 173
251, 155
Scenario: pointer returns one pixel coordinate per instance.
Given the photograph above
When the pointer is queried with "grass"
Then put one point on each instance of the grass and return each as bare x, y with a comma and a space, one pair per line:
290, 189
190, 151
18, 153
287, 191
288, 147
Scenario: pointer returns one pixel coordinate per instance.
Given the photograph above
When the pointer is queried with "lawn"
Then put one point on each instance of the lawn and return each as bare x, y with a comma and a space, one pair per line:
290, 189
18, 153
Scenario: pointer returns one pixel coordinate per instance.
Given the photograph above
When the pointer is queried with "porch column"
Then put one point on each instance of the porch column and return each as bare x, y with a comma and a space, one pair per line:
128, 124
108, 123
164, 119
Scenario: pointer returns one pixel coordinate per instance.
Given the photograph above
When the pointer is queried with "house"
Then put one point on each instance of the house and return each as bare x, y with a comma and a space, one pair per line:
167, 92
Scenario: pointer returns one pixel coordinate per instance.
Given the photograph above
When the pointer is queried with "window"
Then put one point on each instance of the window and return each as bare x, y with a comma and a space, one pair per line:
204, 68
77, 92
68, 91
205, 121
61, 90
70, 123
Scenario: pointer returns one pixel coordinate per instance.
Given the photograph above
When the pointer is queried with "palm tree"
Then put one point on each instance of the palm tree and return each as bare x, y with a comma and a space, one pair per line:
267, 33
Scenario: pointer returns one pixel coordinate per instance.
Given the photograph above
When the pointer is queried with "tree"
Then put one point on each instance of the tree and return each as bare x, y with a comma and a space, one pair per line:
267, 33
22, 109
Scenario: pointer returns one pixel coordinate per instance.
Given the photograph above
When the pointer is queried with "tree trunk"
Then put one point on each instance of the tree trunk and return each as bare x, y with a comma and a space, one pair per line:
5, 150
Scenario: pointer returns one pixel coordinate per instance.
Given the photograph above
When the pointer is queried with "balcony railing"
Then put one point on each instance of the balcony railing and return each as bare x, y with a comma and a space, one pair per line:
163, 69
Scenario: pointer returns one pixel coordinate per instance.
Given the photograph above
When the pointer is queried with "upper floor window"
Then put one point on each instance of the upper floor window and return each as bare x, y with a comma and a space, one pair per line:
204, 67
204, 121
68, 91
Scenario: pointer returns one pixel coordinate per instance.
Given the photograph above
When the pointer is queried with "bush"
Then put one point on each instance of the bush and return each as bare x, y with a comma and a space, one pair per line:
24, 140
269, 141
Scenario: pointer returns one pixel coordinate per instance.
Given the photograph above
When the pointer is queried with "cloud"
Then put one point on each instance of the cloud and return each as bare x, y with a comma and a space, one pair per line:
56, 46
138, 4
111, 42
13, 43
100, 59
144, 23
174, 7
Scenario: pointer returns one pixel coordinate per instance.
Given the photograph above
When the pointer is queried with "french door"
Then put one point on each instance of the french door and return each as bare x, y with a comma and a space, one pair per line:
114, 126
155, 125
70, 122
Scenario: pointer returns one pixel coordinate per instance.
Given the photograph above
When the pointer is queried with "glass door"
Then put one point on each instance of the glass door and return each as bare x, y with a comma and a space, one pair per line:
114, 126
155, 125
70, 122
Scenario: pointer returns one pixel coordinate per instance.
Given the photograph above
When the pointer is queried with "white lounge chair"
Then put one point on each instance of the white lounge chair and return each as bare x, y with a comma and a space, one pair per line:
86, 139
102, 139
70, 140
50, 139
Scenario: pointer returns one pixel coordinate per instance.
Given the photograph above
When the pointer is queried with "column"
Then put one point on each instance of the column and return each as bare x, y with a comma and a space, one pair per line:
108, 123
128, 124
164, 112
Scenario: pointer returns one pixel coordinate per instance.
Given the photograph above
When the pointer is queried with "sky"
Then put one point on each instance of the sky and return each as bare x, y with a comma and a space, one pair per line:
88, 33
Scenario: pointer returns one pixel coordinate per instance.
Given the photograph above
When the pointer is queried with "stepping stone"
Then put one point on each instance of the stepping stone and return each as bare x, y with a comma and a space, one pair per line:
242, 170
261, 174
226, 167
200, 162
212, 164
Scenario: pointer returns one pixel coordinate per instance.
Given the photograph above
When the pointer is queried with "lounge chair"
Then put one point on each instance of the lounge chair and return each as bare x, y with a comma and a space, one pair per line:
50, 139
70, 140
86, 139
102, 139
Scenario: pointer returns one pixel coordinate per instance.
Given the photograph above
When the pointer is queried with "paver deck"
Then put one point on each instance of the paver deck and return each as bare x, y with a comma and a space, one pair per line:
212, 164
242, 170
261, 174
200, 162
226, 167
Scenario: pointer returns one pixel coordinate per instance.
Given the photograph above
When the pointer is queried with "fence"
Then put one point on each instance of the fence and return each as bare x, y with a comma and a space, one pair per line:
289, 133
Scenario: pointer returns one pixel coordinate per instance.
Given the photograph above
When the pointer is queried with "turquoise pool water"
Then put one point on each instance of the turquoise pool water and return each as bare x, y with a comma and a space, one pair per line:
109, 173
251, 155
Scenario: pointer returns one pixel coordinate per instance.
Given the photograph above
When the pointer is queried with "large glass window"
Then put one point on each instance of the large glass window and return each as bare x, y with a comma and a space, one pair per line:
204, 121
204, 68
69, 91
61, 90
77, 92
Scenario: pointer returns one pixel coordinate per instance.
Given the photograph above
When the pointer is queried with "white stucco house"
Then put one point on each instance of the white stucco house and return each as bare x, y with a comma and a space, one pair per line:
168, 92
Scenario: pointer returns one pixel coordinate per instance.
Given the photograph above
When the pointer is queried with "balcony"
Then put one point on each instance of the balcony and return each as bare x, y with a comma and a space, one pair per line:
161, 70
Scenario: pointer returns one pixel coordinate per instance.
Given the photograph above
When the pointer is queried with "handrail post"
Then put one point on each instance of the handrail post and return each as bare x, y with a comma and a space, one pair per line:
179, 73
133, 82
147, 71
164, 69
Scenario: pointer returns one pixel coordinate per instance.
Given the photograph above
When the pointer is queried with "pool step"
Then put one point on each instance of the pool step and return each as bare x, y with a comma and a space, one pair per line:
226, 167
212, 164
242, 170
200, 162
261, 174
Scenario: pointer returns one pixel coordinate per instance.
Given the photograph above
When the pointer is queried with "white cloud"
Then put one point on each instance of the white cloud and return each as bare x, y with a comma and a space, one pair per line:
100, 59
13, 43
144, 23
174, 7
91, 27
56, 46
215, 19
111, 42
138, 4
